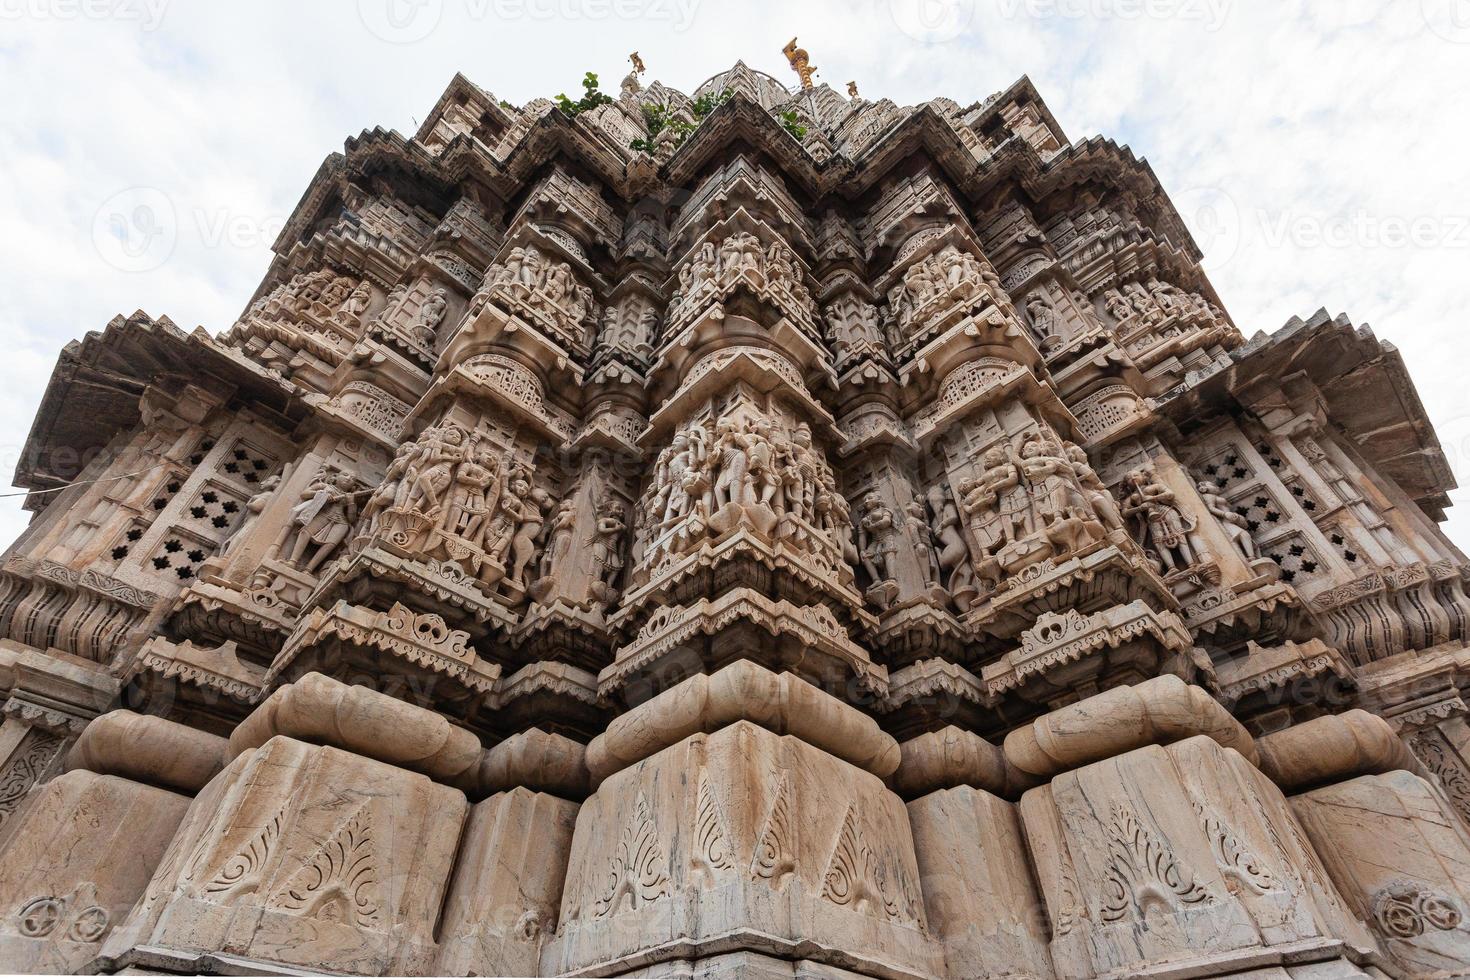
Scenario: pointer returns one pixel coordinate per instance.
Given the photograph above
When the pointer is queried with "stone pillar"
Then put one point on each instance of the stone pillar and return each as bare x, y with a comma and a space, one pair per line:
741, 828
1389, 838
85, 846
1162, 850
506, 891
311, 856
979, 893
45, 701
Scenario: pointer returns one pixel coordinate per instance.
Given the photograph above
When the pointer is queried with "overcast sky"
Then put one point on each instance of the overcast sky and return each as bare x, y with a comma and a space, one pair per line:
1319, 151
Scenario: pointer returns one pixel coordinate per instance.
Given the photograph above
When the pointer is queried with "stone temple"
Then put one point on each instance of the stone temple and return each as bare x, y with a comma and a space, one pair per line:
761, 533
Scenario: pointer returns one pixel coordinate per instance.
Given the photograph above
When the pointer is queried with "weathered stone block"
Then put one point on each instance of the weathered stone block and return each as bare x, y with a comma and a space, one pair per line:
83, 851
1401, 859
1177, 860
303, 856
979, 893
742, 840
506, 892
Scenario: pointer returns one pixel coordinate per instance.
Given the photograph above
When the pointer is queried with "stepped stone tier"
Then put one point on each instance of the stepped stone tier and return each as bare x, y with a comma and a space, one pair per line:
761, 533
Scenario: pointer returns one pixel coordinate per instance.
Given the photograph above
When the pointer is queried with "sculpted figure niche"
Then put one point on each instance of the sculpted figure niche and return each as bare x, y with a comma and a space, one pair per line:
544, 289
1040, 502
746, 467
1166, 532
320, 523
1147, 314
935, 285
451, 494
712, 270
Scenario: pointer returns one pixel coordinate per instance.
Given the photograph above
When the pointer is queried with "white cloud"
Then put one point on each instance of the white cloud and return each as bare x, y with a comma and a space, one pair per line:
1291, 115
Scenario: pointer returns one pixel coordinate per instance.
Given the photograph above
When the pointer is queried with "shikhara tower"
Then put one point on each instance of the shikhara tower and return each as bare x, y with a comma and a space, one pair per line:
743, 534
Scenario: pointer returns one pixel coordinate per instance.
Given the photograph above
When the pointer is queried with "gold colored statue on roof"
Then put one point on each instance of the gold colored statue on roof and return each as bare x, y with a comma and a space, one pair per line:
800, 62
637, 63
852, 90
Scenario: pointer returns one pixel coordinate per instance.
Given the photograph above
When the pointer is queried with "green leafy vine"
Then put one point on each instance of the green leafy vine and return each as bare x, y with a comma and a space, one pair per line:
591, 97
791, 122
662, 117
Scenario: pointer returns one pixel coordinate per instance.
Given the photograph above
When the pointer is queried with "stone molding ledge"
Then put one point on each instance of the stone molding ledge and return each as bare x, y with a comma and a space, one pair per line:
149, 750
355, 719
744, 691
1333, 748
1157, 712
953, 757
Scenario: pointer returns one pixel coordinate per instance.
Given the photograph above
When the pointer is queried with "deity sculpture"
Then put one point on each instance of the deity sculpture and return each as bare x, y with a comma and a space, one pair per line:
1162, 526
953, 554
440, 451
1103, 506
253, 508
319, 524
351, 309
474, 493
878, 539
425, 324
916, 519
606, 555
1235, 527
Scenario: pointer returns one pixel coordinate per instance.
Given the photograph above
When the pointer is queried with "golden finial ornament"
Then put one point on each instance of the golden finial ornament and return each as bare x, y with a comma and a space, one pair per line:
800, 62
852, 90
637, 63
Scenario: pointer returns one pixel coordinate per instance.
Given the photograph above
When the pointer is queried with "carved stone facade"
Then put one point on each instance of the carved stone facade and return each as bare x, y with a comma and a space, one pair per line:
820, 539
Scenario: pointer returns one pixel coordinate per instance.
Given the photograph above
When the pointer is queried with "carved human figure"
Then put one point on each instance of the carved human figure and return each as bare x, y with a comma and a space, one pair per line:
1002, 478
1045, 324
558, 284
732, 483
1047, 474
472, 496
703, 267
1236, 528
440, 451
253, 508
426, 322
750, 258
916, 518
803, 473
1143, 302
351, 309
780, 265
761, 453
534, 504
1118, 306
335, 292
321, 521
834, 516
953, 555
878, 539
1161, 524
531, 271
1104, 506
675, 488
606, 555
563, 534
